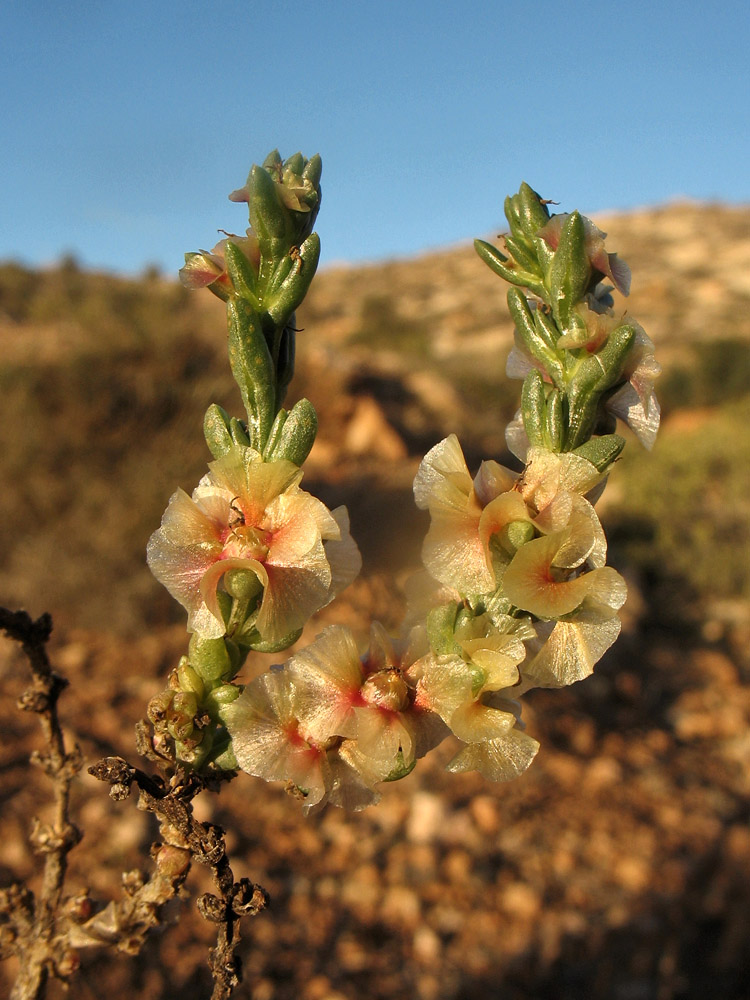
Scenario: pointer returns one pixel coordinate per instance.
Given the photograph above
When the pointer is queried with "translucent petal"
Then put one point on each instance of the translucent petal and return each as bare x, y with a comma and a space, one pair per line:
498, 513
343, 556
626, 404
328, 675
571, 651
443, 482
501, 759
475, 722
492, 480
516, 437
294, 593
454, 553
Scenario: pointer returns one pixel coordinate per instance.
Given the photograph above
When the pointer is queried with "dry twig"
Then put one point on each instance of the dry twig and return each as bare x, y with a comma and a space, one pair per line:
46, 931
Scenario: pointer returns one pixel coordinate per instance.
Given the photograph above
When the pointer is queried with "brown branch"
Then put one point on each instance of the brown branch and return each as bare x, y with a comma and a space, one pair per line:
171, 803
44, 933
32, 919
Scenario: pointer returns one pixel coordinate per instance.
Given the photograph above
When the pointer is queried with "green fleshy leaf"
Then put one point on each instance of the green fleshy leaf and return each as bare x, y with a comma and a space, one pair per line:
296, 435
269, 217
570, 270
602, 451
293, 288
241, 272
532, 214
210, 658
216, 430
538, 345
495, 261
555, 420
533, 408
253, 370
239, 433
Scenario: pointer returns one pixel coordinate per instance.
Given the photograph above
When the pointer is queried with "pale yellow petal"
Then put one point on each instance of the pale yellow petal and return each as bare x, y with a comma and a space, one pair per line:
501, 759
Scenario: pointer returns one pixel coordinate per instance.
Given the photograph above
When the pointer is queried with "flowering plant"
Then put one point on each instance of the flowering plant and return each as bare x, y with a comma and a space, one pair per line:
515, 591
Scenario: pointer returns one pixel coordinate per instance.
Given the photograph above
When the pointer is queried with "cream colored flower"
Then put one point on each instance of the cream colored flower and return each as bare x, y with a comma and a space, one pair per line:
251, 517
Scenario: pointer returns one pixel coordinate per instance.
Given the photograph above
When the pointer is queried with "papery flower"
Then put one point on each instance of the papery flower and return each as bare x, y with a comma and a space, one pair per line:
565, 652
499, 759
370, 699
539, 578
454, 686
474, 693
635, 403
271, 740
465, 513
605, 263
251, 516
204, 269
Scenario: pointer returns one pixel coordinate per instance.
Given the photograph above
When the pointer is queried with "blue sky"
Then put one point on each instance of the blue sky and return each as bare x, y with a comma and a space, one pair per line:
126, 125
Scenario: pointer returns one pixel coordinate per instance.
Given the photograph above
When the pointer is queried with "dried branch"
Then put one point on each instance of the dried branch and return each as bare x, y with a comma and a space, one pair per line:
45, 932
186, 838
30, 922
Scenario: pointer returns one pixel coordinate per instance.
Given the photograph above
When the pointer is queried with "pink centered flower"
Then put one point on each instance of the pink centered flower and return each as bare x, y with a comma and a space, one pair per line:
250, 515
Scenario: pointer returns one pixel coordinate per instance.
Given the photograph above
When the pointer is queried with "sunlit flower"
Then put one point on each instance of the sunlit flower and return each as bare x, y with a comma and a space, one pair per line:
539, 578
271, 740
368, 699
293, 554
566, 651
465, 513
499, 759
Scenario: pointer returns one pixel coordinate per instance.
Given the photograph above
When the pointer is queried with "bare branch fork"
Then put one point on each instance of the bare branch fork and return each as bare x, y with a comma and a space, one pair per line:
46, 931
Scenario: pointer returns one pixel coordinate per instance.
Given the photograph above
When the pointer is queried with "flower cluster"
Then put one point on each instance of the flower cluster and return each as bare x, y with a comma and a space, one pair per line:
515, 591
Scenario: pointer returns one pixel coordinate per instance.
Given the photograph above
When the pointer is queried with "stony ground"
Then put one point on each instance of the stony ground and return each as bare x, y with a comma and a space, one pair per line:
617, 867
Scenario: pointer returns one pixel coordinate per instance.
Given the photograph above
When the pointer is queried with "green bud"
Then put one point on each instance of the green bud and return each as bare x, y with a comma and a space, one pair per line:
242, 584
216, 430
210, 658
261, 645
221, 696
189, 679
296, 434
441, 625
513, 536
